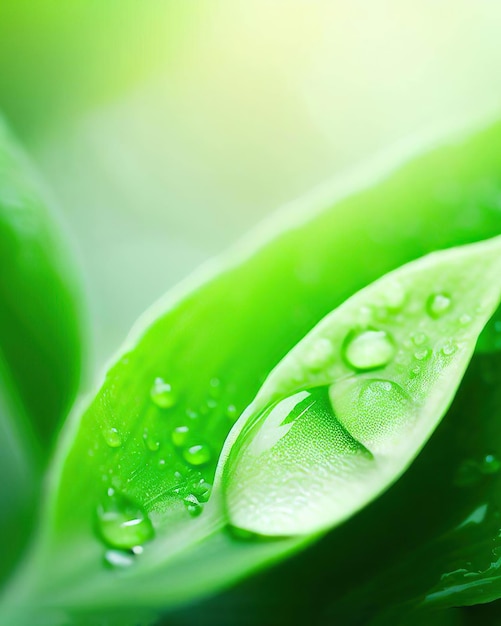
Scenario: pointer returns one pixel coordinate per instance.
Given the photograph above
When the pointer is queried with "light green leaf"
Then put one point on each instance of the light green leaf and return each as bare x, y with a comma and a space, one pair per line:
213, 342
41, 312
348, 409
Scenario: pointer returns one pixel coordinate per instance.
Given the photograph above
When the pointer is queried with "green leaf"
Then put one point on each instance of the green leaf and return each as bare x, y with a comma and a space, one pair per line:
40, 316
349, 408
213, 341
19, 467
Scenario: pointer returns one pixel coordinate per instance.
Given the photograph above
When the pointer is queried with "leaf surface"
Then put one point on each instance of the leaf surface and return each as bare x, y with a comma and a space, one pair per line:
212, 343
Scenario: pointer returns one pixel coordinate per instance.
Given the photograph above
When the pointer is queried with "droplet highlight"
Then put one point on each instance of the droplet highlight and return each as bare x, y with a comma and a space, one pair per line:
438, 304
112, 437
180, 436
368, 349
162, 394
199, 454
122, 523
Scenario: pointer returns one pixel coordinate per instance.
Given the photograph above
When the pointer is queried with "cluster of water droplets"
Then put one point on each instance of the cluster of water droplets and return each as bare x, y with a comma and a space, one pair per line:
177, 443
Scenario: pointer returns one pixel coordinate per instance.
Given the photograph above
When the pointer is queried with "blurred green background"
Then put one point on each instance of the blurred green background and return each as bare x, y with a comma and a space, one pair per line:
167, 129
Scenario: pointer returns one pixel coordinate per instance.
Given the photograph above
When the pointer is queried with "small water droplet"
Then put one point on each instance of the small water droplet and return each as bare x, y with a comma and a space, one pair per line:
464, 319
161, 462
199, 454
394, 296
202, 490
193, 415
449, 349
118, 558
180, 436
415, 371
422, 355
212, 403
192, 505
232, 412
438, 304
419, 338
368, 349
122, 523
112, 437
490, 464
319, 354
162, 394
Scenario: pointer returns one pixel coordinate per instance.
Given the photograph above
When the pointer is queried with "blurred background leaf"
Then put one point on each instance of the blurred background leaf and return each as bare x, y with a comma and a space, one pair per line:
41, 314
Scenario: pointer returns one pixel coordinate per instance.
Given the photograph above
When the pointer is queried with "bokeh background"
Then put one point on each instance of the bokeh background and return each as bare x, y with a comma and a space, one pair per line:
167, 129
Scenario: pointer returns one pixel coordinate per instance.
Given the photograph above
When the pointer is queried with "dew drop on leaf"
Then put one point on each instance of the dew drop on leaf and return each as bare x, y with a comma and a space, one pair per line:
180, 435
490, 464
118, 558
368, 349
438, 304
193, 505
199, 454
449, 349
422, 355
232, 412
418, 339
162, 394
122, 523
112, 437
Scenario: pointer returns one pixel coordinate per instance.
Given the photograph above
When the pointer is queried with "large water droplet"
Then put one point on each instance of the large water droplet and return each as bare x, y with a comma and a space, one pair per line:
373, 411
122, 523
290, 466
199, 454
368, 349
112, 437
162, 394
438, 304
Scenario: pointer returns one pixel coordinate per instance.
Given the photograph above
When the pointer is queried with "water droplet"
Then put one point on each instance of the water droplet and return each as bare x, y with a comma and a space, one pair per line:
122, 523
362, 416
419, 338
449, 349
273, 492
422, 355
193, 415
162, 394
394, 296
415, 371
202, 490
438, 304
464, 319
232, 412
180, 436
112, 437
490, 464
161, 463
192, 505
319, 354
199, 454
368, 349
118, 558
